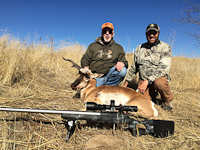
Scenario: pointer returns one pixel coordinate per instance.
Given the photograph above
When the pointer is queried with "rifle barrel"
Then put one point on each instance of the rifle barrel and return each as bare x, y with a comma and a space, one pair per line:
43, 111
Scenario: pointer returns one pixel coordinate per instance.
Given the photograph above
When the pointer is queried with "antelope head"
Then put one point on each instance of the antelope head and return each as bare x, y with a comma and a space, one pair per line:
84, 76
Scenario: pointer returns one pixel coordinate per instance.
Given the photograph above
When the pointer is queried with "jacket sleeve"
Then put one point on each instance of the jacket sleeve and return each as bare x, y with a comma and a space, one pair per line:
122, 57
163, 65
86, 59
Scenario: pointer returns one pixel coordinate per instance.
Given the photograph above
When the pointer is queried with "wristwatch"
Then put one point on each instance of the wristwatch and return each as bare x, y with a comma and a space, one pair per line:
150, 82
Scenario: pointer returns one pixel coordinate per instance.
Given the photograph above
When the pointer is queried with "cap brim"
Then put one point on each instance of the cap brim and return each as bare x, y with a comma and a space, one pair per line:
108, 27
152, 29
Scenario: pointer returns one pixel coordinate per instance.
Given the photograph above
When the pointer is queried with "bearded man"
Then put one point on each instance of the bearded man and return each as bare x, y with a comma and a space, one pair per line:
152, 60
104, 56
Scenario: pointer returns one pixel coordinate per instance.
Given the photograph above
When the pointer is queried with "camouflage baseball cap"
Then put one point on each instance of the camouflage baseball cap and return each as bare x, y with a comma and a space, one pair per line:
153, 26
107, 24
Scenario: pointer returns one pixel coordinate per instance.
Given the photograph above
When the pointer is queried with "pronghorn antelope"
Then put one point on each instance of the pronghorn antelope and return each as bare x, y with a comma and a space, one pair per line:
102, 95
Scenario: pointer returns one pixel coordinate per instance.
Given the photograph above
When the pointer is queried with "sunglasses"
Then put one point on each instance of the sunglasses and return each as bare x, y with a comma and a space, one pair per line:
105, 31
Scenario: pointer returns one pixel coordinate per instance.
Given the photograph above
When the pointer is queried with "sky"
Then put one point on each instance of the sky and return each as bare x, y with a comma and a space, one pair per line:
79, 21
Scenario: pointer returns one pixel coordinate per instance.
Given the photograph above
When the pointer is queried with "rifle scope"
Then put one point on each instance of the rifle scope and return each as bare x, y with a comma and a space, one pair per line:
112, 107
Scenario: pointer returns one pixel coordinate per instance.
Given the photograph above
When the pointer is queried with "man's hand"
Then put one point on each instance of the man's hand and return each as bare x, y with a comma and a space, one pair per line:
86, 68
125, 84
119, 66
142, 87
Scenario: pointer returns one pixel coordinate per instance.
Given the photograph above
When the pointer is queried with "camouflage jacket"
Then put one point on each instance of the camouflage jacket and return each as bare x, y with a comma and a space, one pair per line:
151, 61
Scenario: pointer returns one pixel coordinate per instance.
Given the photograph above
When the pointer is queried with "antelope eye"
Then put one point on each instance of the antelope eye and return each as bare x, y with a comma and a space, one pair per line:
87, 76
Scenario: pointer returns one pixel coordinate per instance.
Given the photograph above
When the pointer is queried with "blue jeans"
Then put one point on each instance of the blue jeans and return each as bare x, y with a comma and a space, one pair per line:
113, 77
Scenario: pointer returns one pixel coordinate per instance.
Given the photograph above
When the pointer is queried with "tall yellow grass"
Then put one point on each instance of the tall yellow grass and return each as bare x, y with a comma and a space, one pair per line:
185, 73
34, 75
21, 61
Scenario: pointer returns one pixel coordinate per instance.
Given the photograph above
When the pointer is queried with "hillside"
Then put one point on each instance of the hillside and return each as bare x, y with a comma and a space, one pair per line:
34, 75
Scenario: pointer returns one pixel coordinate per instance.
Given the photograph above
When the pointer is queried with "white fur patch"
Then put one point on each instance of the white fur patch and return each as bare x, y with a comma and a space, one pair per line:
118, 97
85, 71
155, 111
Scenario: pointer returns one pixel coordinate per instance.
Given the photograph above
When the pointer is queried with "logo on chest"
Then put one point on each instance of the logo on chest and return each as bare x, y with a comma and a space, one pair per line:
101, 53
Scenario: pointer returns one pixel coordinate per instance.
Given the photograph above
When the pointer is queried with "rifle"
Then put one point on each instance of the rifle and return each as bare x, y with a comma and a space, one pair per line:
157, 128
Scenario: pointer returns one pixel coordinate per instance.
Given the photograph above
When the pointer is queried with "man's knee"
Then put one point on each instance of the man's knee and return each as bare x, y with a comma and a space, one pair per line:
123, 72
162, 86
161, 83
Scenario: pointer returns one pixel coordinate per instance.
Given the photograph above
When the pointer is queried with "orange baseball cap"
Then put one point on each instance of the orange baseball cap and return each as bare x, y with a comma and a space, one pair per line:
107, 24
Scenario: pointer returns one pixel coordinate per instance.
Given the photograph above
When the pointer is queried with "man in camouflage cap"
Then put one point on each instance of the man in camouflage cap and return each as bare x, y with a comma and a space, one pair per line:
152, 60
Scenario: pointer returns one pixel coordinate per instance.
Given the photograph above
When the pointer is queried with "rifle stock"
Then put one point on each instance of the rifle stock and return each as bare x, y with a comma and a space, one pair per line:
157, 128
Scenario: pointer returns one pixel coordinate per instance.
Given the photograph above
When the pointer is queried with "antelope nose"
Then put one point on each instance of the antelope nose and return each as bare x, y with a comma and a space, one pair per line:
73, 87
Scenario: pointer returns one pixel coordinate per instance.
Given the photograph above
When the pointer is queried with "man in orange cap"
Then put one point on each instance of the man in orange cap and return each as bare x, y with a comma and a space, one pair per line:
104, 56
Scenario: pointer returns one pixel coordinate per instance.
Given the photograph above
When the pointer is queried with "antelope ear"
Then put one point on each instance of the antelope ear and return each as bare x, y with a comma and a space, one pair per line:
96, 75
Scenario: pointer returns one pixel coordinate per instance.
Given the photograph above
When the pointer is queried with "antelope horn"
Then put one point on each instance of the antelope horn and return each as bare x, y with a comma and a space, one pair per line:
74, 64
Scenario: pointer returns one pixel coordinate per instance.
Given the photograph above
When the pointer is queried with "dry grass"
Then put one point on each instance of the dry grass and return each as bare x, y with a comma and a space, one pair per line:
34, 75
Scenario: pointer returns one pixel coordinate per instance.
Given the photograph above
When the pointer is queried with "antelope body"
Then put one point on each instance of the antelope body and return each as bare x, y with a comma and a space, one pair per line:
104, 94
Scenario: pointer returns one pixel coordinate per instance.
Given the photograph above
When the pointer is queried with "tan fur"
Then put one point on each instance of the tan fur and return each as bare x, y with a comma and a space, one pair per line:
104, 94
121, 95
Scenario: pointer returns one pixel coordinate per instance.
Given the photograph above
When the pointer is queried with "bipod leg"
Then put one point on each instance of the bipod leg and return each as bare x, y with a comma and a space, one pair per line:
136, 131
70, 125
133, 131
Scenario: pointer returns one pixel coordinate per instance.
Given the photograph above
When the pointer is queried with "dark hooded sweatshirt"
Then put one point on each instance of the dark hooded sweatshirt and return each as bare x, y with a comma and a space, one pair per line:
100, 58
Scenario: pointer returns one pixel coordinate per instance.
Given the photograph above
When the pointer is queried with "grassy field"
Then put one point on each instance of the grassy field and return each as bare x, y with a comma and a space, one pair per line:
34, 75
